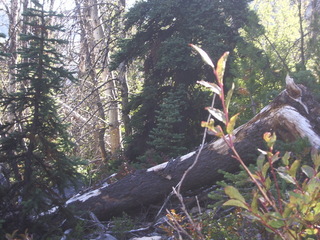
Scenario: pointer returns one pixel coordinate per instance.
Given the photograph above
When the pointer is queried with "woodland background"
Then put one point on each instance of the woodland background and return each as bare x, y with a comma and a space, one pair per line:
105, 88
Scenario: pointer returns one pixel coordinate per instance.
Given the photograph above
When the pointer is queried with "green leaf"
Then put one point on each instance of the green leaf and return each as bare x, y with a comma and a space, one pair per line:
267, 183
309, 217
221, 66
209, 125
218, 114
232, 123
204, 55
212, 86
265, 168
285, 158
254, 203
276, 220
276, 223
235, 203
286, 176
311, 231
232, 192
308, 171
229, 95
294, 167
288, 210
213, 130
219, 132
260, 161
275, 157
313, 186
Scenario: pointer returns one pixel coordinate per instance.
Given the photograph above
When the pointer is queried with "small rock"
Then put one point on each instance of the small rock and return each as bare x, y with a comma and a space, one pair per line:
105, 237
148, 238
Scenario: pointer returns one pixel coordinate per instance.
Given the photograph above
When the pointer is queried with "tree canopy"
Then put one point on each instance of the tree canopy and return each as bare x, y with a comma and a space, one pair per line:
162, 32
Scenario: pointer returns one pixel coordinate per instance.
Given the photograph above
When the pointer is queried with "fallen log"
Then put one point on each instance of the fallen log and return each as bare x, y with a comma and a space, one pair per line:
292, 114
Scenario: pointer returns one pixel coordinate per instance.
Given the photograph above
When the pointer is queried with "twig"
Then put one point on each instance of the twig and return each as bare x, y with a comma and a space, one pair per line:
178, 186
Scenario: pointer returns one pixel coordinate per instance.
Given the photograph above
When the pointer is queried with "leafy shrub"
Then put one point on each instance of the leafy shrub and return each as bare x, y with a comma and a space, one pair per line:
289, 213
293, 215
16, 236
121, 225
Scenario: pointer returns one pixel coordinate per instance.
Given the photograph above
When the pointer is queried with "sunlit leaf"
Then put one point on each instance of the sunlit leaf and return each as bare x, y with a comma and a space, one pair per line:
236, 203
254, 203
229, 95
232, 123
285, 158
256, 176
221, 66
212, 86
294, 167
311, 231
316, 209
204, 55
232, 192
314, 186
288, 209
265, 169
210, 126
309, 217
269, 138
286, 176
308, 171
262, 151
218, 114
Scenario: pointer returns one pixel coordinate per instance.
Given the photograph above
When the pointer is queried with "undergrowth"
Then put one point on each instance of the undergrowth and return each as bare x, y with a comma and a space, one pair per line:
277, 199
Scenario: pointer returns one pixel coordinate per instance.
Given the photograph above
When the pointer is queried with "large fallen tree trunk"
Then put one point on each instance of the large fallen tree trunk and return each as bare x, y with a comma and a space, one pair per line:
293, 114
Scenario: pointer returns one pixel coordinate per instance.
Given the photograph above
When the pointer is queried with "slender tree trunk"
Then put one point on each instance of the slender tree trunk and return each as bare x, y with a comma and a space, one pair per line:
125, 98
88, 69
100, 37
302, 45
13, 36
122, 76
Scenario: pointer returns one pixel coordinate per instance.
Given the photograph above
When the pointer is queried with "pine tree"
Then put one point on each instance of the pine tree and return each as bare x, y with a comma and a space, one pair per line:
163, 30
168, 137
34, 145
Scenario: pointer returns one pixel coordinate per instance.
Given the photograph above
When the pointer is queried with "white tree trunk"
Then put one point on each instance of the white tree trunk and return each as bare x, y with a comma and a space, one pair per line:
99, 36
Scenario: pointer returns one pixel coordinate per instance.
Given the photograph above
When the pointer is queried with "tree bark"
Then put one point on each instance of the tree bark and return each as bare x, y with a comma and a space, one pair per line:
293, 114
100, 37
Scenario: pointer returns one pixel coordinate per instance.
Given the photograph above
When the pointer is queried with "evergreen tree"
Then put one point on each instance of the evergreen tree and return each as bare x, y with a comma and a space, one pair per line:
163, 30
34, 145
168, 137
